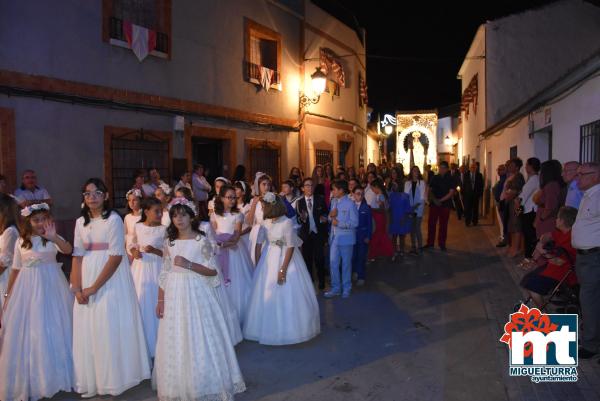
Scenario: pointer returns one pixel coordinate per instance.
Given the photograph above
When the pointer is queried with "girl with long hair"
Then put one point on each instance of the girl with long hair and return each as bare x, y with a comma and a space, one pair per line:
147, 250
134, 209
195, 358
416, 188
255, 218
36, 360
234, 260
8, 237
552, 196
318, 179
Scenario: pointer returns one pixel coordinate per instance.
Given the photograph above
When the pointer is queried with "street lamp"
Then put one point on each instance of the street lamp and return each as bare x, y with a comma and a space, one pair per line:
447, 140
388, 129
318, 82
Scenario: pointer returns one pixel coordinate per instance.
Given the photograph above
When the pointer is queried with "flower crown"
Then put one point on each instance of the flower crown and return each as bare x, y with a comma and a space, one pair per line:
270, 198
165, 188
135, 192
27, 210
184, 202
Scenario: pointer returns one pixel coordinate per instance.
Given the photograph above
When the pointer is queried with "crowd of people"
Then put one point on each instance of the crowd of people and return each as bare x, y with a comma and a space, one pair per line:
191, 270
549, 220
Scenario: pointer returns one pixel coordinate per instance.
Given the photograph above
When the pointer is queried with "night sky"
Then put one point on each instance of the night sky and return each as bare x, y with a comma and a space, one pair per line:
414, 50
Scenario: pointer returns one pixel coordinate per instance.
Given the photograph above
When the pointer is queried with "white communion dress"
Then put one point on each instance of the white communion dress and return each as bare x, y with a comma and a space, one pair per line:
235, 263
287, 313
36, 359
195, 359
145, 272
231, 317
130, 221
245, 239
109, 349
258, 234
8, 238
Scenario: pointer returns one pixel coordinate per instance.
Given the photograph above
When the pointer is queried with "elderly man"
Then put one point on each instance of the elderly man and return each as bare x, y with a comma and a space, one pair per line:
29, 193
569, 174
585, 237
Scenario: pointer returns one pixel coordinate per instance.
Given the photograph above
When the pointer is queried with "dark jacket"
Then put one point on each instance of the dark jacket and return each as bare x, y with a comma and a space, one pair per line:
365, 223
319, 209
468, 189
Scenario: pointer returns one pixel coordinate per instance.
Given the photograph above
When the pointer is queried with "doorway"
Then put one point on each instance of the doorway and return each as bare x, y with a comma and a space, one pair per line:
542, 144
209, 153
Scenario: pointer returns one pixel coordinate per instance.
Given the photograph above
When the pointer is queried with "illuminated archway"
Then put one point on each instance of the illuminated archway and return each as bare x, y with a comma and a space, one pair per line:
422, 145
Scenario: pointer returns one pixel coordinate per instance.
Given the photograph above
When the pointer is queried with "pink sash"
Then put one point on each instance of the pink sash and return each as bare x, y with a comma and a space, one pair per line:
95, 246
224, 256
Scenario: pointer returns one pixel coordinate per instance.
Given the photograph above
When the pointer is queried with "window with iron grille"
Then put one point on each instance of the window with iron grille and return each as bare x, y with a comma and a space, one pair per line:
151, 14
589, 145
263, 54
132, 151
323, 156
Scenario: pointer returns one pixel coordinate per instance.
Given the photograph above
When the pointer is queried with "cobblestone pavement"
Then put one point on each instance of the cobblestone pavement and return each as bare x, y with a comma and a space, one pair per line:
423, 328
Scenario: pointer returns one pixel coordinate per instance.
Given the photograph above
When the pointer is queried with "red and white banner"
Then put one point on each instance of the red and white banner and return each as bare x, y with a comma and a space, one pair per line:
141, 40
469, 96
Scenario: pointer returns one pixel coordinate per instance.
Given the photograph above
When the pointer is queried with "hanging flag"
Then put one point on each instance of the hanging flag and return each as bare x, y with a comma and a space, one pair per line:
266, 77
330, 64
469, 96
363, 98
141, 40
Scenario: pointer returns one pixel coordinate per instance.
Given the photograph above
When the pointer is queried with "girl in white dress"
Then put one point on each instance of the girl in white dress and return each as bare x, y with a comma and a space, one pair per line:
163, 194
36, 337
195, 358
219, 182
134, 207
243, 194
109, 349
236, 265
255, 219
8, 237
231, 317
146, 248
283, 308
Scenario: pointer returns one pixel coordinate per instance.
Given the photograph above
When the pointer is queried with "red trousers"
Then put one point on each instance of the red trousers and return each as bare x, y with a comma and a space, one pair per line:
442, 214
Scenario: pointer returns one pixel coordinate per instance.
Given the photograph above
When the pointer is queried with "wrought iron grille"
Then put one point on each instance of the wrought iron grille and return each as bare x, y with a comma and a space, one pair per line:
323, 156
589, 145
265, 159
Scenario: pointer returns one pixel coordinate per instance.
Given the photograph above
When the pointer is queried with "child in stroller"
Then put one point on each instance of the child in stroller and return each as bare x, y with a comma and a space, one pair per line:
553, 262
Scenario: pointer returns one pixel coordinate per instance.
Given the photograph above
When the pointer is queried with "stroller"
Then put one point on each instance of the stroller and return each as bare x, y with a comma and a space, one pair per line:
564, 297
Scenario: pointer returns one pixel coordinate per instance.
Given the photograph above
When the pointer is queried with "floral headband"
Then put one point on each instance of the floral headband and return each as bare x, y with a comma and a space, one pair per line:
184, 202
270, 198
34, 208
135, 192
165, 188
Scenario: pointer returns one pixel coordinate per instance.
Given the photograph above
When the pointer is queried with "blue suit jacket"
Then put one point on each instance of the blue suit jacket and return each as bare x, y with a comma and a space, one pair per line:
365, 223
347, 217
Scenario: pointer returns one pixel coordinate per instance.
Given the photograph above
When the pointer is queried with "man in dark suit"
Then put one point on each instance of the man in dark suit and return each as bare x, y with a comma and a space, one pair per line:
311, 211
472, 190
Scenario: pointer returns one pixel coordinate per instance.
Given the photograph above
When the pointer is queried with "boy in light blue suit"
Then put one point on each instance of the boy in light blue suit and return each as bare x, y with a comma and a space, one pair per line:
344, 220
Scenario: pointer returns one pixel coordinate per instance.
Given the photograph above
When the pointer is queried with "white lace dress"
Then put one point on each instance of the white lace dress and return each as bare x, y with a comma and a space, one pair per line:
195, 359
109, 349
231, 316
288, 313
258, 234
239, 280
130, 222
36, 360
145, 272
8, 238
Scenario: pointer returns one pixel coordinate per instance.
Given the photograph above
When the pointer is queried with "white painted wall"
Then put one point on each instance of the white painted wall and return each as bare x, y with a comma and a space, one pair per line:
476, 123
568, 113
526, 52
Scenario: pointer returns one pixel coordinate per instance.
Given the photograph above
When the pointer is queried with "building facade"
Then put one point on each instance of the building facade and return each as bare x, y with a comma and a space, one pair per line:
516, 82
221, 86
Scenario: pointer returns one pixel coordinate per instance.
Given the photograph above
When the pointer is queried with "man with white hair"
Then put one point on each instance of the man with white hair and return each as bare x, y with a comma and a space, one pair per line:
585, 237
569, 174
